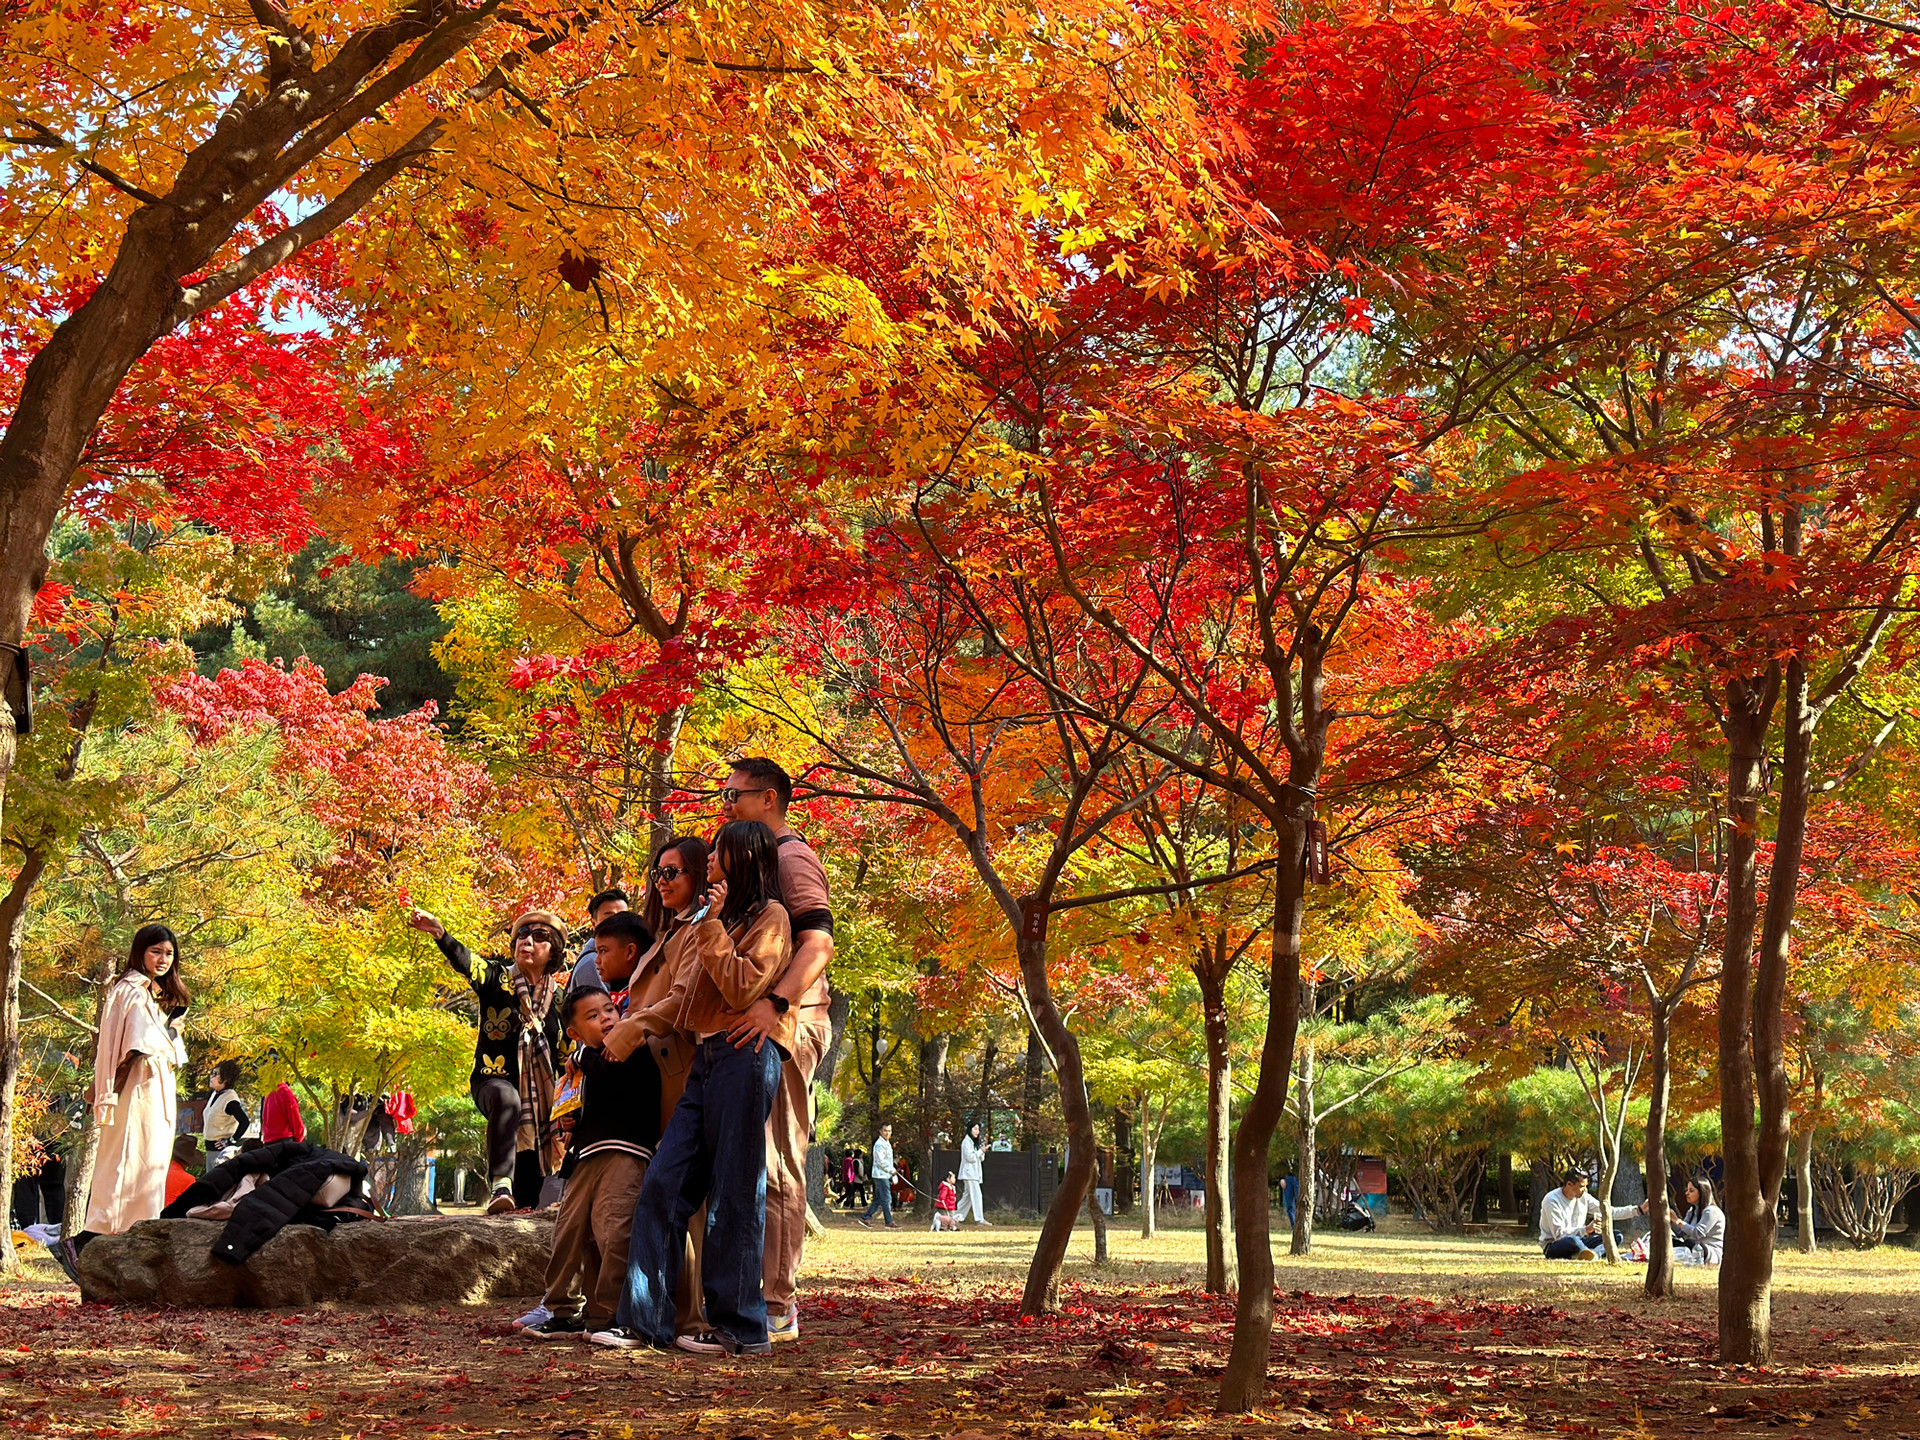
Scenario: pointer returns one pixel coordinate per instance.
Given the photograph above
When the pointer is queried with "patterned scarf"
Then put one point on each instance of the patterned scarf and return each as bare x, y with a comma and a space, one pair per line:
537, 1085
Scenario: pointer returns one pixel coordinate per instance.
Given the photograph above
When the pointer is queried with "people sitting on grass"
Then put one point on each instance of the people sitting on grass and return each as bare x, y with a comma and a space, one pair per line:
1570, 1220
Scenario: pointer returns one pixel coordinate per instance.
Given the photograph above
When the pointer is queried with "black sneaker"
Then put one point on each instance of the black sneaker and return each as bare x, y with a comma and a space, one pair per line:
556, 1327
716, 1342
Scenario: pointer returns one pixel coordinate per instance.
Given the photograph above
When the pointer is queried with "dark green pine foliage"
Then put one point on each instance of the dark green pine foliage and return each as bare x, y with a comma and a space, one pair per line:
350, 619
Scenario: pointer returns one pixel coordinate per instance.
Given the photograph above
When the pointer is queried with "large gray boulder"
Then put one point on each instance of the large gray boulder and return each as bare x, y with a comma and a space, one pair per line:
423, 1260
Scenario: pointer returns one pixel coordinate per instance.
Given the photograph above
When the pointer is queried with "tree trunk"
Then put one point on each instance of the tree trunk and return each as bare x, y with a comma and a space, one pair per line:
1223, 1275
1659, 1282
1509, 1202
1099, 1218
1036, 1063
933, 1065
1306, 1167
983, 1105
1042, 1292
80, 1167
666, 741
839, 1011
1746, 1271
1149, 1152
13, 928
1243, 1382
1803, 1177
1750, 1298
1610, 1172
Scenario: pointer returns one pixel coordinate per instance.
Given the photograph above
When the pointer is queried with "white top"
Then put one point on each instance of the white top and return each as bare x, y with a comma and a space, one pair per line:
216, 1124
131, 1023
1708, 1232
970, 1154
882, 1167
1560, 1217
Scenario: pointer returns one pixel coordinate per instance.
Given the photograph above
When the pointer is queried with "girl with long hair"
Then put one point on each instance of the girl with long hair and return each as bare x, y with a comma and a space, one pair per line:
133, 1095
1703, 1232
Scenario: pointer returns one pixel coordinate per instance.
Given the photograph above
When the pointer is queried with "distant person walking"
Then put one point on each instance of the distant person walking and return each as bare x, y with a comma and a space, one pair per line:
881, 1168
973, 1154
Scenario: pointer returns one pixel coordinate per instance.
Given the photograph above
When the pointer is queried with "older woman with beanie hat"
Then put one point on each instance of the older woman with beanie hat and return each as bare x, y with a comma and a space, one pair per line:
514, 1058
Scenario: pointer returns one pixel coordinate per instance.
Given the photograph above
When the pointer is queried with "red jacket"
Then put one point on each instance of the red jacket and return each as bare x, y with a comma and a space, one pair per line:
280, 1117
946, 1199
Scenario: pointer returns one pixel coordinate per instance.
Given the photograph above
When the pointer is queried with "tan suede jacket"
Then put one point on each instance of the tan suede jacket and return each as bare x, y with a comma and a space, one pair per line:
651, 983
718, 975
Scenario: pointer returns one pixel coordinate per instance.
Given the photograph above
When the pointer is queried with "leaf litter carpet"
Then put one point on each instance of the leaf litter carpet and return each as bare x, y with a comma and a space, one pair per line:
904, 1355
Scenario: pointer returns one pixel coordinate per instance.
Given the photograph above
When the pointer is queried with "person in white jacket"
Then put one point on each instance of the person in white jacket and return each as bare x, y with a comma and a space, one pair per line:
134, 1103
1570, 1220
973, 1149
882, 1171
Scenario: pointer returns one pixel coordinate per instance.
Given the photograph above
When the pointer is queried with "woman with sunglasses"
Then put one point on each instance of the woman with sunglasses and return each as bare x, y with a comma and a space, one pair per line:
514, 1063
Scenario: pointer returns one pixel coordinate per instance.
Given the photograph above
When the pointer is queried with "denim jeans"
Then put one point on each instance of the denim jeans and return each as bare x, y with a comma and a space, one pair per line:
714, 1152
882, 1199
1568, 1246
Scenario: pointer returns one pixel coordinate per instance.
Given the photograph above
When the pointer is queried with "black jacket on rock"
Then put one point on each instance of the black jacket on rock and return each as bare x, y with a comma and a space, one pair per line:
292, 1172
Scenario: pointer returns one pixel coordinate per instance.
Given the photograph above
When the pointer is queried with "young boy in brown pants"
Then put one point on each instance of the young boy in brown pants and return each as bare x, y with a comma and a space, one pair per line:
613, 1139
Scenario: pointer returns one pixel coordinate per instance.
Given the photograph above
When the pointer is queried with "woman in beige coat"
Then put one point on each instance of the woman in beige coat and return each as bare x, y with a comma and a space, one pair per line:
133, 1095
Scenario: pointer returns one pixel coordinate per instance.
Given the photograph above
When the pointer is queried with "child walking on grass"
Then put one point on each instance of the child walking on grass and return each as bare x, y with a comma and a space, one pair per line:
946, 1206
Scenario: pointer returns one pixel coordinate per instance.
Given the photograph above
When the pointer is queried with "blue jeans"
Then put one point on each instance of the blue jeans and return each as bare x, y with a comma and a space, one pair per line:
1568, 1246
882, 1199
714, 1152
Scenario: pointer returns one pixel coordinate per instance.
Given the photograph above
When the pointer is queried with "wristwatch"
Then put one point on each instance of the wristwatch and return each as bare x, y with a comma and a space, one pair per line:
780, 1004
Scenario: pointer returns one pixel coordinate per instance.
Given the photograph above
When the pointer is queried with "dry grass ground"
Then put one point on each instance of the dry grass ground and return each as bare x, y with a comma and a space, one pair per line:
909, 1334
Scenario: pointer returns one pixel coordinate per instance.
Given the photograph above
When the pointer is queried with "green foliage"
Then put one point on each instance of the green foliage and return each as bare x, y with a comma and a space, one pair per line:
1434, 1124
351, 619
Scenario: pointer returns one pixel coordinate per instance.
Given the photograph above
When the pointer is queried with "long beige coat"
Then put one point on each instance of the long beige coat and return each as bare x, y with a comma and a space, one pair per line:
136, 1126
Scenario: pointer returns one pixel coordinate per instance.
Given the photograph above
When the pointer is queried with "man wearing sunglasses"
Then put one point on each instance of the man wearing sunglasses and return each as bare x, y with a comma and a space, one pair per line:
794, 1016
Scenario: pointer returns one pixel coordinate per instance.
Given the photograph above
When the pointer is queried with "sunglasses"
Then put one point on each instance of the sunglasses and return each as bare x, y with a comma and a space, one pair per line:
731, 794
536, 933
667, 874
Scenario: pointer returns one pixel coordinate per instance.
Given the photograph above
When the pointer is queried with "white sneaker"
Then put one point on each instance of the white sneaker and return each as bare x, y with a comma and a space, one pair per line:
539, 1315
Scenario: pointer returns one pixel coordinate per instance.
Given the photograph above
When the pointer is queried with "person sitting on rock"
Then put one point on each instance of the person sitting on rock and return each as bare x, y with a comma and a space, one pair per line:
1570, 1220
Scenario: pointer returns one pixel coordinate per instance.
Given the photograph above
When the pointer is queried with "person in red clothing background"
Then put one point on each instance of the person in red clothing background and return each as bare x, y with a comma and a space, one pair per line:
280, 1116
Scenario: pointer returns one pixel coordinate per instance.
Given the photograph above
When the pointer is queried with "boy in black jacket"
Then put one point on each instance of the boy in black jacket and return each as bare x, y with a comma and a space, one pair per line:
613, 1138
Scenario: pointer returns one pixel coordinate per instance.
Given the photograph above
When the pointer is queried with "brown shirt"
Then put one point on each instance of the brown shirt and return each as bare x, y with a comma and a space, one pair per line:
803, 891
